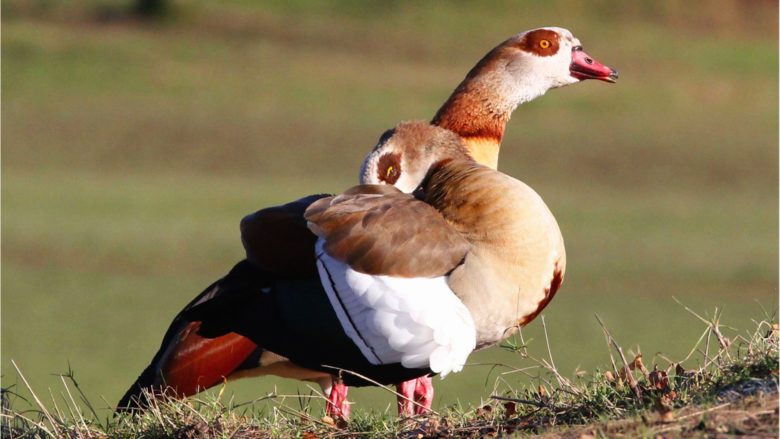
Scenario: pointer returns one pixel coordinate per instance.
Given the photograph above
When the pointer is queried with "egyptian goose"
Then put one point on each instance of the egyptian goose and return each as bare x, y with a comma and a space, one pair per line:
381, 303
477, 111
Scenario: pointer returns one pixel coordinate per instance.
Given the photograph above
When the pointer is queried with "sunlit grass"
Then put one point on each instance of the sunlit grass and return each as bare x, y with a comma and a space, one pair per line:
730, 374
131, 152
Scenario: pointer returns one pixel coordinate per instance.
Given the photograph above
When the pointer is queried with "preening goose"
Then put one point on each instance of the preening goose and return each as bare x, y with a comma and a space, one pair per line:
277, 292
498, 248
477, 110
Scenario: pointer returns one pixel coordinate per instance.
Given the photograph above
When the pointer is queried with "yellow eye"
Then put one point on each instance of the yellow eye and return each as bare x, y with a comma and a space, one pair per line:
390, 170
544, 44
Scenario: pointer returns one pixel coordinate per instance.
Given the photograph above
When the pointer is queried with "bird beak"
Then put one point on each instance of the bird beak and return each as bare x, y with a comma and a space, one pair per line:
584, 67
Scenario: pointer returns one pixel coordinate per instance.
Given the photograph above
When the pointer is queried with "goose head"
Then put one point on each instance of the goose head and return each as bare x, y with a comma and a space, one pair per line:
516, 71
528, 64
403, 155
552, 57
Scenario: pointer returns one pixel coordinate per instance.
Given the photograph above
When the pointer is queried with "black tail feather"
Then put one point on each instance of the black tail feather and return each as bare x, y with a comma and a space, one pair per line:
151, 381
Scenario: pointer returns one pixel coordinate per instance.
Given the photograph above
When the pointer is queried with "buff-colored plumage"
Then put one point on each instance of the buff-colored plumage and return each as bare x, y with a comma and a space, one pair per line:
517, 258
490, 234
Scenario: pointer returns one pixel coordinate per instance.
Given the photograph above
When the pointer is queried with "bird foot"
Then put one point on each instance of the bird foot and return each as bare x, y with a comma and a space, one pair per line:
419, 391
337, 406
405, 398
423, 395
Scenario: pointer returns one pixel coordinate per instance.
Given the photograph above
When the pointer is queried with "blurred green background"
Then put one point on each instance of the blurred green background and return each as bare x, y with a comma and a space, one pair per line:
133, 146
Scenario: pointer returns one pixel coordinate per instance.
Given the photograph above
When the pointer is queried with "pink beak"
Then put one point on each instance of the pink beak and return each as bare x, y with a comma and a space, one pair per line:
584, 67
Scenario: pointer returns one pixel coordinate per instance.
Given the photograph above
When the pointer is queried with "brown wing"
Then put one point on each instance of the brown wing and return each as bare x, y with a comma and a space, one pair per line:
379, 230
277, 240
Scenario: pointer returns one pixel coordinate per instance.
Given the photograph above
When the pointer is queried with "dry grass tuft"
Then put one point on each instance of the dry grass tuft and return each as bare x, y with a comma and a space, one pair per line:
732, 388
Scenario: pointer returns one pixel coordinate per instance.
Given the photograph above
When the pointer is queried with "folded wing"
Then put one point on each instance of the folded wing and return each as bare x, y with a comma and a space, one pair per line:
383, 260
377, 229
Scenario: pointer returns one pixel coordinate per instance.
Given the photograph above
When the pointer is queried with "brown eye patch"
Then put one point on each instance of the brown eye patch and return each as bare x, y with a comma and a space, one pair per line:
542, 42
389, 168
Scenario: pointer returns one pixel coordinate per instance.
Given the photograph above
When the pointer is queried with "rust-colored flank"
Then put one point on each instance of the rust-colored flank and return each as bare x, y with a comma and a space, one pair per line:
549, 293
199, 363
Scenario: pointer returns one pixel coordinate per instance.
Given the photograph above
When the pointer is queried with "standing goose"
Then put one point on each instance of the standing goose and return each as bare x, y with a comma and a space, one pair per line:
405, 286
514, 72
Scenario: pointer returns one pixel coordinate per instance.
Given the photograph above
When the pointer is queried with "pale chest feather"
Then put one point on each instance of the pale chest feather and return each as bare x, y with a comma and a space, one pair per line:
516, 264
484, 150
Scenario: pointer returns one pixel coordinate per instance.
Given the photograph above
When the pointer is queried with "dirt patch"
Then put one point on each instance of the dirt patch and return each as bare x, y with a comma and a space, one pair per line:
754, 416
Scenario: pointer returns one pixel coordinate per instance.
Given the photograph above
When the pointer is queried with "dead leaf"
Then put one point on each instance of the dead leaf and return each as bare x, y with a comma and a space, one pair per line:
659, 379
510, 409
609, 376
309, 435
638, 364
678, 370
328, 420
484, 411
542, 391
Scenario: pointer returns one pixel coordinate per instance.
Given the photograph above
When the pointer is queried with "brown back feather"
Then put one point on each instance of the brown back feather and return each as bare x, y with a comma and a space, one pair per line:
277, 240
391, 234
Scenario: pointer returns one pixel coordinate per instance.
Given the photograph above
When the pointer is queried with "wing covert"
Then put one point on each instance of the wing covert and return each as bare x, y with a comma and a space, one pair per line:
386, 232
277, 240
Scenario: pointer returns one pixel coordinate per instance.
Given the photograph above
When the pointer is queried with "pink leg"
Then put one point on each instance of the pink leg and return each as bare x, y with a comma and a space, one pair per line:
419, 390
405, 404
337, 406
423, 395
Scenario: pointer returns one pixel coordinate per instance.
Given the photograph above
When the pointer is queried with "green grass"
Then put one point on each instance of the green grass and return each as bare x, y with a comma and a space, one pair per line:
732, 390
130, 153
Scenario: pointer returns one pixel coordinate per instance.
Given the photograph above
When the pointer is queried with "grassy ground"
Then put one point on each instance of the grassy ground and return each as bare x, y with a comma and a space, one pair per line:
130, 152
734, 391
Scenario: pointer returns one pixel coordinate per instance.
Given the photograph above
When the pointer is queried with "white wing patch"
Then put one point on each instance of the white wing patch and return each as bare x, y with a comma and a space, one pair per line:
418, 322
